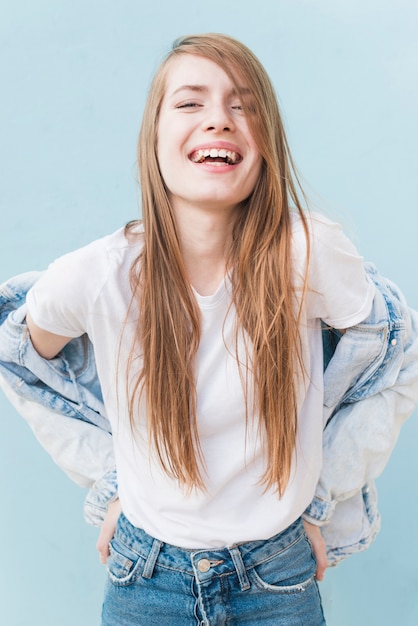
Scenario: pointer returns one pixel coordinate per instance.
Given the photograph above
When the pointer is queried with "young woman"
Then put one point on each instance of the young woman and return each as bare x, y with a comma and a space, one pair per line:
205, 319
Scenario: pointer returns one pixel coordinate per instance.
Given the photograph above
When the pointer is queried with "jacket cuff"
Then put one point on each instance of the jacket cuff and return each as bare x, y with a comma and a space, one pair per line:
319, 511
103, 493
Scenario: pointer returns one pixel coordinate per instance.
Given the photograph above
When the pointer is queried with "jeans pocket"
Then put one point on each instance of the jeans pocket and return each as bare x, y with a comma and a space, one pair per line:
123, 564
289, 571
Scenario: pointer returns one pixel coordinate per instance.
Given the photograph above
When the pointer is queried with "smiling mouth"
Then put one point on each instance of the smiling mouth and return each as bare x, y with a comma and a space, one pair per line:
215, 155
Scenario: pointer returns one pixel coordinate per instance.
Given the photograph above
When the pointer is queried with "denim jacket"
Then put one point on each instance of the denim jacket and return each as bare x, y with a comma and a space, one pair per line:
371, 387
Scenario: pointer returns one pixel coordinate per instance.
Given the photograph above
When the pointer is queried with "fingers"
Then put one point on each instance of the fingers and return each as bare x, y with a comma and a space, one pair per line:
319, 548
102, 546
107, 530
321, 563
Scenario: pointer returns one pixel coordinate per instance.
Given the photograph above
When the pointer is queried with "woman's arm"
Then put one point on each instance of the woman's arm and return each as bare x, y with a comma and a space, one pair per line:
364, 427
318, 547
45, 343
108, 529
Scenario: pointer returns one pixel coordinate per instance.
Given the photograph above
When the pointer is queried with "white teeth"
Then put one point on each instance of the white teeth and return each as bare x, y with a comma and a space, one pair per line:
200, 155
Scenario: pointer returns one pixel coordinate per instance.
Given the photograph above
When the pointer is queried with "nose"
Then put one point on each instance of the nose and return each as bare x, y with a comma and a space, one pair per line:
219, 119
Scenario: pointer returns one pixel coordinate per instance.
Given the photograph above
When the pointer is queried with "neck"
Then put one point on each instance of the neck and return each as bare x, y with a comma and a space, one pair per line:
205, 238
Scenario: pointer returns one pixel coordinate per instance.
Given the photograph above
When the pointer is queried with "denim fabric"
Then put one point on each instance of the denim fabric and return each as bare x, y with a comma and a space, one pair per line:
101, 494
371, 387
367, 357
84, 452
62, 396
67, 384
260, 582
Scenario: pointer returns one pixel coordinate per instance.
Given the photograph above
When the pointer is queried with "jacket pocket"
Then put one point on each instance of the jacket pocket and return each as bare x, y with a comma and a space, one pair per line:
353, 526
358, 355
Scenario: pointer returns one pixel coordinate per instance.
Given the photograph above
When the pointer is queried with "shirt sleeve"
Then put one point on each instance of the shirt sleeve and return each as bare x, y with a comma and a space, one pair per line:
339, 290
62, 299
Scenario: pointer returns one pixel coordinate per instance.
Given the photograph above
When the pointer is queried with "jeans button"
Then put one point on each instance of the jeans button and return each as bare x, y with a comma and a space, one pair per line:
203, 565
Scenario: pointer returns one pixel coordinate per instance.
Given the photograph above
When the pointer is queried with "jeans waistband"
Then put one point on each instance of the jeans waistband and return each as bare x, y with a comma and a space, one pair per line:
204, 563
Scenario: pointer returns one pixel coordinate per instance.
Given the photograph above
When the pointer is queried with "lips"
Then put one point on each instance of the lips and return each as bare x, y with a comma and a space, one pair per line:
215, 155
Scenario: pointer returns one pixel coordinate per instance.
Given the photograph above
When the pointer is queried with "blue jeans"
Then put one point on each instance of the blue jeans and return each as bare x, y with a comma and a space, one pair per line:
259, 582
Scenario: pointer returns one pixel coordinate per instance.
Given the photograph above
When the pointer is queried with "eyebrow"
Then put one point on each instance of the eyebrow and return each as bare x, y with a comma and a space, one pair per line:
242, 91
199, 88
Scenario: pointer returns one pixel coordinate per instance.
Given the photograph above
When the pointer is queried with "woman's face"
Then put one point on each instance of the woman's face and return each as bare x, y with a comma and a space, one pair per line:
207, 155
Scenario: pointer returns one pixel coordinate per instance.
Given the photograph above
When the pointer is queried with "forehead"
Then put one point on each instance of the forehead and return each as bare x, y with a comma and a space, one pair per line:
189, 71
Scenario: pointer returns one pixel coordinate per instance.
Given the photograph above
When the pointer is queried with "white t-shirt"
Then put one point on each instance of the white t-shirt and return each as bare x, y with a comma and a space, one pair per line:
88, 291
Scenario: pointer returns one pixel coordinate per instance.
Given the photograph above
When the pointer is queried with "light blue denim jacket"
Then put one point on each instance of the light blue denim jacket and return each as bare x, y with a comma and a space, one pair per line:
371, 387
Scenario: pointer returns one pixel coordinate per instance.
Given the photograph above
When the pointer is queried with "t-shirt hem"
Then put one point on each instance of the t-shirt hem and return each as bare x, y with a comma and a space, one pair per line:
354, 318
44, 325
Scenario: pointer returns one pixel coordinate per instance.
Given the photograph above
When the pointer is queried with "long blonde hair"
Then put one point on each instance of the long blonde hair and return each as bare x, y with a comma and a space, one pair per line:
168, 326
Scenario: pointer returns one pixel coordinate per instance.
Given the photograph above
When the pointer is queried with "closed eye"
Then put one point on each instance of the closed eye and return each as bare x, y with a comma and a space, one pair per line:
188, 105
249, 107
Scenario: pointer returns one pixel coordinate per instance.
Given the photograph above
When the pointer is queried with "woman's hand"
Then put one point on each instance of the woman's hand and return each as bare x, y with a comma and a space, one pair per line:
318, 546
108, 530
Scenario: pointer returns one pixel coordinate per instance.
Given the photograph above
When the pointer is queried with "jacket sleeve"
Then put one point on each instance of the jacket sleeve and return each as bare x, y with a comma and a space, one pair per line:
82, 450
362, 432
74, 432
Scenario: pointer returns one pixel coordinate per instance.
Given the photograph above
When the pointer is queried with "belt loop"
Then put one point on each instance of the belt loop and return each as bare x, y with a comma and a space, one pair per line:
152, 559
240, 567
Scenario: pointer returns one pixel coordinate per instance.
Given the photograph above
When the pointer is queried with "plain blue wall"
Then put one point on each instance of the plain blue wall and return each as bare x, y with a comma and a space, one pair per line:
73, 78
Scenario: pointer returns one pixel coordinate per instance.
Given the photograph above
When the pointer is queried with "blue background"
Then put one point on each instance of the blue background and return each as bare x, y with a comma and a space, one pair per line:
73, 76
